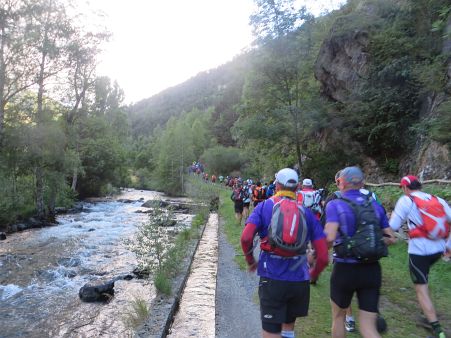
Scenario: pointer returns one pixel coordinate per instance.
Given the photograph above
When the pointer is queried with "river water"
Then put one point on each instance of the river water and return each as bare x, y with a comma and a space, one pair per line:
42, 270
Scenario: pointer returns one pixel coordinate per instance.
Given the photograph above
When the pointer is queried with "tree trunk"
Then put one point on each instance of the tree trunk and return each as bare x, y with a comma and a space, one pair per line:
39, 172
51, 205
40, 206
295, 115
74, 180
2, 83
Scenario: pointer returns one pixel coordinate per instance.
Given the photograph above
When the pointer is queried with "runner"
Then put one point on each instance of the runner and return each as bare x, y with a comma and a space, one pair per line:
238, 199
428, 219
284, 286
354, 270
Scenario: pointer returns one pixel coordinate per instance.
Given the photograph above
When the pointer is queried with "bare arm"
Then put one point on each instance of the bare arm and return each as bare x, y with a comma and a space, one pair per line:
330, 230
389, 236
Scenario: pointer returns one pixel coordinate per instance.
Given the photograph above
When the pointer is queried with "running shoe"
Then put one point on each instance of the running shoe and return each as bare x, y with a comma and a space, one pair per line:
350, 325
441, 335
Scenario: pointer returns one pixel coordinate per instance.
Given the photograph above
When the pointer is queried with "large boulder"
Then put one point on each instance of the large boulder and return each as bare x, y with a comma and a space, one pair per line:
97, 293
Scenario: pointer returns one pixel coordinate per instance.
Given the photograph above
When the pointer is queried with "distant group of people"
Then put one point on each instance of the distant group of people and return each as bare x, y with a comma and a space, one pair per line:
354, 223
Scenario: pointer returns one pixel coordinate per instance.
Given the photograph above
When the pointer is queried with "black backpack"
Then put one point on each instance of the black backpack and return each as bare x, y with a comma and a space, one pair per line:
367, 244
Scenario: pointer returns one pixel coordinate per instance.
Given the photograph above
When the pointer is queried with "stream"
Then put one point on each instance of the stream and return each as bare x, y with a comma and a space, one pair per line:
42, 270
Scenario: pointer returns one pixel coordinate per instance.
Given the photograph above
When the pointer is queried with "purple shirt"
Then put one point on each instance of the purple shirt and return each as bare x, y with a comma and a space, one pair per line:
340, 212
272, 266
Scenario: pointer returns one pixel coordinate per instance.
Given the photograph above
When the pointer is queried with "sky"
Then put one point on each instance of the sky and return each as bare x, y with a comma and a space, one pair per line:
158, 44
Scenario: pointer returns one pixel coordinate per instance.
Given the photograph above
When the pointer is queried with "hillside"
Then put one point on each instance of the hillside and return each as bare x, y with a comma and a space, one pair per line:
368, 84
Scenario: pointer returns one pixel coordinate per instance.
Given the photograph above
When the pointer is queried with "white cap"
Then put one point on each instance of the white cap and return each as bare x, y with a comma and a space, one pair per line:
287, 177
307, 182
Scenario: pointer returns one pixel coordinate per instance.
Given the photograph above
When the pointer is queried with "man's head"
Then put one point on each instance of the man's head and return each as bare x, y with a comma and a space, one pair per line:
307, 183
409, 183
350, 178
287, 179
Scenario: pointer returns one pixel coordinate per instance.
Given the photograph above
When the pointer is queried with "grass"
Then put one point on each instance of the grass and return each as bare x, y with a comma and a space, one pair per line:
398, 301
137, 312
231, 227
176, 253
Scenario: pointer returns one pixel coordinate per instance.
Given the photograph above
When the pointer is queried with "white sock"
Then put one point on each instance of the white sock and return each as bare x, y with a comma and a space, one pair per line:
350, 318
287, 334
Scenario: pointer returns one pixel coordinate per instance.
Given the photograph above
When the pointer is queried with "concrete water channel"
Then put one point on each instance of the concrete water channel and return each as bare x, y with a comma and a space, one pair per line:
196, 314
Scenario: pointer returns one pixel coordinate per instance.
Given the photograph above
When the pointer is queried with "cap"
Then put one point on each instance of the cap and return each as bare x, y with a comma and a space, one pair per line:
307, 181
407, 180
353, 175
287, 177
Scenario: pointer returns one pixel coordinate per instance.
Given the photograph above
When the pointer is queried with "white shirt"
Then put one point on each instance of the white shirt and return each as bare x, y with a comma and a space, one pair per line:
406, 210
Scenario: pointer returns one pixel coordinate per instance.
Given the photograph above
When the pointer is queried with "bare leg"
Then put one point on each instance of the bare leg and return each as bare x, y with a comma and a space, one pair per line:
425, 301
338, 319
368, 324
349, 311
285, 327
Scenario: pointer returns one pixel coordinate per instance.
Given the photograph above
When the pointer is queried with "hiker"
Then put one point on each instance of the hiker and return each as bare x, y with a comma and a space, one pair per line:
310, 198
258, 194
356, 268
246, 199
428, 218
349, 318
271, 188
238, 198
284, 228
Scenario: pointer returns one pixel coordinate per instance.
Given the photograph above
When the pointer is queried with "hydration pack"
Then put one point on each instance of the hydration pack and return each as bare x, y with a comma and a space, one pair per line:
434, 225
311, 200
367, 244
287, 232
237, 195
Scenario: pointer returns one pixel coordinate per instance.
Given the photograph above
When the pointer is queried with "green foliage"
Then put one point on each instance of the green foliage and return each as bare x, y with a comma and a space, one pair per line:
388, 105
179, 143
439, 125
321, 165
137, 312
223, 160
162, 283
102, 156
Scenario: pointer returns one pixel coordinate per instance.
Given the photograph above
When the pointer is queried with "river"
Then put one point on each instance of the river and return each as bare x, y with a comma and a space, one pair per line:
42, 270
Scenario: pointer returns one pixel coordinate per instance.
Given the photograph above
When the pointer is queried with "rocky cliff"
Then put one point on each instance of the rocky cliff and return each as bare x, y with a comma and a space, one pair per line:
342, 68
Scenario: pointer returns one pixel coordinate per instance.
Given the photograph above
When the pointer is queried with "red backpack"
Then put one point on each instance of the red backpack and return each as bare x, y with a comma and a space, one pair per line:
287, 232
434, 225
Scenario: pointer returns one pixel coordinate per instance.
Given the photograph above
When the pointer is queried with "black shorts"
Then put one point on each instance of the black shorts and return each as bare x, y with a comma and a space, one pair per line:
238, 207
247, 204
282, 301
419, 267
365, 279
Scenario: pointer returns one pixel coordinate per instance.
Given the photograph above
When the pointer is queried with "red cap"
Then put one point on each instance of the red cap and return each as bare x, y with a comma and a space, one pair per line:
407, 180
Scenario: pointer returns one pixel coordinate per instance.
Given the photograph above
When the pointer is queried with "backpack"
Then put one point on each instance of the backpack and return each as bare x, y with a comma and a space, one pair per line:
259, 193
237, 195
287, 232
311, 200
434, 225
367, 244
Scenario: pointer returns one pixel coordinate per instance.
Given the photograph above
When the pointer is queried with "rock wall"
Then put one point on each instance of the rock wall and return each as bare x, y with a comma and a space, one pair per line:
342, 67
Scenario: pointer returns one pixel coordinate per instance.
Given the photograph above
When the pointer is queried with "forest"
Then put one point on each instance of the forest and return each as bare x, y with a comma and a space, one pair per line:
368, 84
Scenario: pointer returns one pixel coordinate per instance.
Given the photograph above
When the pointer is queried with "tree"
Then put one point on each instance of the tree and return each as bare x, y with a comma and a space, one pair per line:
15, 66
51, 30
278, 85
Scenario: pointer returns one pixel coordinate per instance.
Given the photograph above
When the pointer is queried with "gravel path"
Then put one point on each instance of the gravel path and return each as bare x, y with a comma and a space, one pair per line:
237, 314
